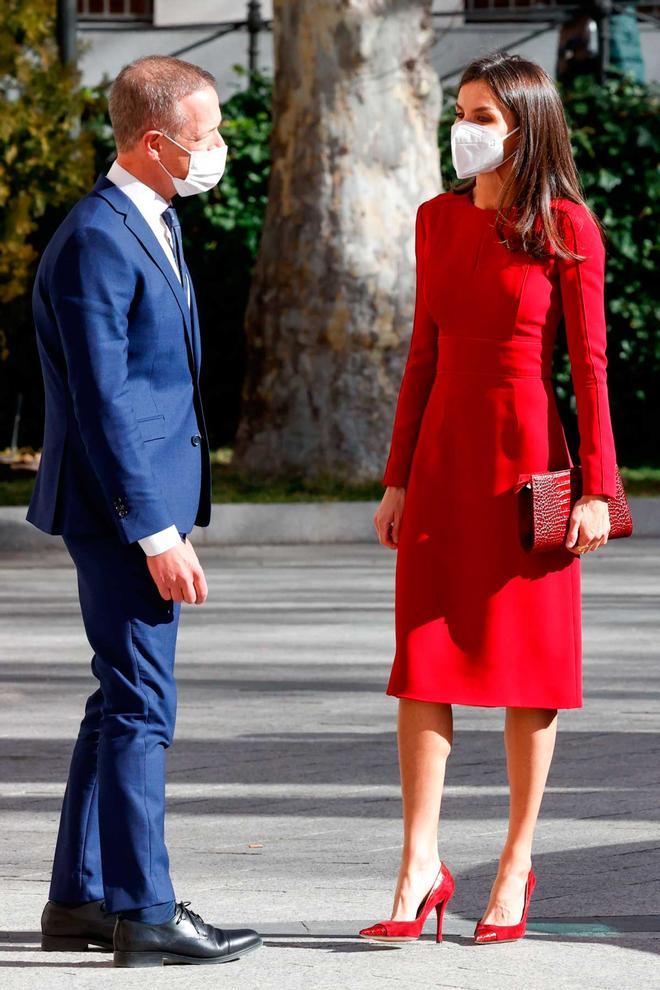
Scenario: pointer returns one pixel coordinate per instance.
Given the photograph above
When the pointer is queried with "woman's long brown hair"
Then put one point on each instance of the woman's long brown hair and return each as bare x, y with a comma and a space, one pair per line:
542, 167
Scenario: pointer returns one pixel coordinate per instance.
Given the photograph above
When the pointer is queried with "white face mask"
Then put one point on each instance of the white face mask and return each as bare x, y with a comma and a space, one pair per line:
204, 169
475, 148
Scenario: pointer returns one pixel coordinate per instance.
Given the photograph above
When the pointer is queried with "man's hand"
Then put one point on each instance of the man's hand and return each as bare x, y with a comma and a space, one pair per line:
589, 524
178, 574
387, 519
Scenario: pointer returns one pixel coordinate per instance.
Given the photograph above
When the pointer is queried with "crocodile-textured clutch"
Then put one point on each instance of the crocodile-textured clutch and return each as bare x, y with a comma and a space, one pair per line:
545, 503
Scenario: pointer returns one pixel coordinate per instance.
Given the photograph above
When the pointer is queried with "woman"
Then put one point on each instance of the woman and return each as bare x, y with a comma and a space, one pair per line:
480, 621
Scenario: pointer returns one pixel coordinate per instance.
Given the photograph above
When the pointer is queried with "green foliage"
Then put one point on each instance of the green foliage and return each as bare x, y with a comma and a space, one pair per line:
616, 144
45, 161
614, 137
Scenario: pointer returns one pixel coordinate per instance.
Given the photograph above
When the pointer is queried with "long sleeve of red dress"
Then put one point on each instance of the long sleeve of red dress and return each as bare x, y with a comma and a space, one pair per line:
418, 376
582, 293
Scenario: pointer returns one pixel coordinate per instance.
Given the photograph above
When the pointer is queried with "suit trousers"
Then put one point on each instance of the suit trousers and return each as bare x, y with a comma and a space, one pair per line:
111, 842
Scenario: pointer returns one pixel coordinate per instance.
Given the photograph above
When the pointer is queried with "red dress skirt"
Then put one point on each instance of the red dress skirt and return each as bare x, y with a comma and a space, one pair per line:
479, 620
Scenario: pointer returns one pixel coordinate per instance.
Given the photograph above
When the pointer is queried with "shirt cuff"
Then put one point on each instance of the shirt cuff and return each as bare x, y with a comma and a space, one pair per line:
161, 541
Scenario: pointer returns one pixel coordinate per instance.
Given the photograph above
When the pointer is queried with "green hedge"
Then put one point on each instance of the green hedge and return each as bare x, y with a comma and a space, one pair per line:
616, 144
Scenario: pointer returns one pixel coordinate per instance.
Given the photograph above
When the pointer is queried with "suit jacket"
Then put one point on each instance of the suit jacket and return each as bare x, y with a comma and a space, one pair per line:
125, 446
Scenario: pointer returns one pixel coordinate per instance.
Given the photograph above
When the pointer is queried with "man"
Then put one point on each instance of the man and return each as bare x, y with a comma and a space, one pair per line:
124, 476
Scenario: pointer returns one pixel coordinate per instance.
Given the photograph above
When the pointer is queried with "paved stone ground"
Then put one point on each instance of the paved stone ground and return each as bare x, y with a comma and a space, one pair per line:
283, 783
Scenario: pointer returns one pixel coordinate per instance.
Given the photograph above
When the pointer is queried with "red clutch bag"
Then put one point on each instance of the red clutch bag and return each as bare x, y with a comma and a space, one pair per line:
545, 503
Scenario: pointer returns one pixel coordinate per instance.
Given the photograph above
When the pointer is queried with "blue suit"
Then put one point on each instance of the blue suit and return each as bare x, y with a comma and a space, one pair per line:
117, 344
125, 454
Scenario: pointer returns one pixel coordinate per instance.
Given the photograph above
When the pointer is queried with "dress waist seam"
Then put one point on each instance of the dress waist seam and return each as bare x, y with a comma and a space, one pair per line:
493, 374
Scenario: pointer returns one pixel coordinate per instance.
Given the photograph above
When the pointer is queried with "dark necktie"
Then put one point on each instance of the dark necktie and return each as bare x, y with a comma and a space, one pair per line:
171, 219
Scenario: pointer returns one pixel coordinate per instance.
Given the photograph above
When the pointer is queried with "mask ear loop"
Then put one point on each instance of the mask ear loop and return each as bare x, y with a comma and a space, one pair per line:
517, 128
189, 153
187, 150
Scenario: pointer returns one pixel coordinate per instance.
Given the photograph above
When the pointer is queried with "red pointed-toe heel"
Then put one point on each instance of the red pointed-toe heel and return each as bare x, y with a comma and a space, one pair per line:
485, 932
438, 897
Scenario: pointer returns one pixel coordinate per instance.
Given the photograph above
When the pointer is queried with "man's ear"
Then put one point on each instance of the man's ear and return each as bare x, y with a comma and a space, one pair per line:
151, 142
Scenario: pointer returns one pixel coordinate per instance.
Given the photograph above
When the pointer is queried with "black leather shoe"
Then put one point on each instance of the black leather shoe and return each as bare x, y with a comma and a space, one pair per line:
74, 929
186, 939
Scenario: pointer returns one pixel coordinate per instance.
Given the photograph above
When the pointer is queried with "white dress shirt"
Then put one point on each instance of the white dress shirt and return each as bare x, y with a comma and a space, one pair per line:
152, 206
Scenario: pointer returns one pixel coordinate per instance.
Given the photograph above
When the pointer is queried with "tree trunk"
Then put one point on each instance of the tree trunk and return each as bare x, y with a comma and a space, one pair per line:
354, 151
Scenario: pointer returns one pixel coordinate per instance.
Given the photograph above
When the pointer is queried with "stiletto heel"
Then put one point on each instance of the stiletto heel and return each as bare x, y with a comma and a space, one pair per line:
409, 931
440, 915
485, 932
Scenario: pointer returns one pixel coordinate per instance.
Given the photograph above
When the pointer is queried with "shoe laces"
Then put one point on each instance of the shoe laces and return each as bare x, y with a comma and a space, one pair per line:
185, 912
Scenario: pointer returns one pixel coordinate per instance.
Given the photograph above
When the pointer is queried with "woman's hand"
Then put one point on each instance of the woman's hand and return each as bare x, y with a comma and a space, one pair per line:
589, 524
389, 513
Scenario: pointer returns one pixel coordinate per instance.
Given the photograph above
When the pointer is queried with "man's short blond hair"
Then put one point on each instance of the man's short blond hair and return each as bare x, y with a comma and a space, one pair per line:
145, 96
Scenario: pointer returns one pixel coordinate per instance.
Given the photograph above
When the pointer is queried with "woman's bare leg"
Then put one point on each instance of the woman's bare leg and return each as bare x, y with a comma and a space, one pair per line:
424, 738
529, 736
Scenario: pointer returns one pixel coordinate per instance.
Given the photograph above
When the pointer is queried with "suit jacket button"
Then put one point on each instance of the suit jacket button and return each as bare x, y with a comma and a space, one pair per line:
196, 440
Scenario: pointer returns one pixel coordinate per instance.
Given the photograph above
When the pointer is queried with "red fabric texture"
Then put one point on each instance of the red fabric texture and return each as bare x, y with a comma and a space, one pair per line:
479, 621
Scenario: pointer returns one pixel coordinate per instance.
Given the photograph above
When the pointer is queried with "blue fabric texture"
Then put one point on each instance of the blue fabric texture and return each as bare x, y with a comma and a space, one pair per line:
158, 914
125, 443
110, 841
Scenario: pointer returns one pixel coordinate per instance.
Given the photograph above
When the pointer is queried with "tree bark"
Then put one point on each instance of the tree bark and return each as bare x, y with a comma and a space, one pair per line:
354, 152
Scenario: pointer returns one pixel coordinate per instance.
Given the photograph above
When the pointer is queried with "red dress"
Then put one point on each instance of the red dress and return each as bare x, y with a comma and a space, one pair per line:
479, 620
